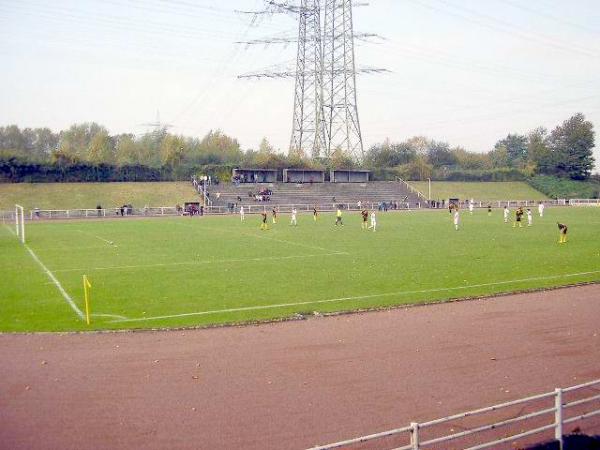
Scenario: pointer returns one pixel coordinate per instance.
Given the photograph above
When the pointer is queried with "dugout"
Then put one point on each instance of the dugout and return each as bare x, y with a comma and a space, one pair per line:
255, 175
349, 176
303, 176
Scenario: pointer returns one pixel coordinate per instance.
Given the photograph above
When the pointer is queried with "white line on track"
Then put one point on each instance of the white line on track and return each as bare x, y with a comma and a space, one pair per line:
204, 262
361, 297
97, 237
64, 293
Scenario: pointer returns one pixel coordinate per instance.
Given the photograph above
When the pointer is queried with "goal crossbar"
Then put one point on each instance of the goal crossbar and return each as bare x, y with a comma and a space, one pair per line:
20, 222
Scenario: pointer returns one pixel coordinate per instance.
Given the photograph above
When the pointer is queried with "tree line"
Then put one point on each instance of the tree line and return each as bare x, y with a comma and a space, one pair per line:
92, 152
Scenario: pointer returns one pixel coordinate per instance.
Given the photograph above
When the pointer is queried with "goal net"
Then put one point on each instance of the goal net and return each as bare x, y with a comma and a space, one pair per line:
20, 222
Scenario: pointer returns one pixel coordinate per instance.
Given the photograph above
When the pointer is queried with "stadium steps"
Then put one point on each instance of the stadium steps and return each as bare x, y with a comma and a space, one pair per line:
315, 194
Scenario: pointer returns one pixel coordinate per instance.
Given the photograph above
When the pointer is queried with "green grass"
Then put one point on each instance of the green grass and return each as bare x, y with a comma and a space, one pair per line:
511, 190
88, 195
179, 266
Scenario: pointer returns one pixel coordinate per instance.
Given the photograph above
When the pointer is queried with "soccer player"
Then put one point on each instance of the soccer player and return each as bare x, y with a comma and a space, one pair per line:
541, 207
338, 218
518, 217
263, 225
562, 230
315, 214
471, 207
274, 213
489, 210
529, 217
456, 219
242, 214
294, 222
373, 221
506, 214
365, 217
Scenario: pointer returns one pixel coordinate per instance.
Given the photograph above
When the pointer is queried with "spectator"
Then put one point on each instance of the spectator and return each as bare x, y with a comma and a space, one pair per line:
99, 209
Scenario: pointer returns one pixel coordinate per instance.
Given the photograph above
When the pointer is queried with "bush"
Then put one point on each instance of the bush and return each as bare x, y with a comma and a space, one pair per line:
555, 187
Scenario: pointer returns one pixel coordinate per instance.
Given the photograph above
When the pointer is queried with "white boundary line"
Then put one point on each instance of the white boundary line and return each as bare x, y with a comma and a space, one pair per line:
199, 263
361, 297
97, 237
64, 293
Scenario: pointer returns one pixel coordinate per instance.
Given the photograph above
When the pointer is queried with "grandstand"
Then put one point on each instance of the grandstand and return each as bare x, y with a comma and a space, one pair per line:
370, 194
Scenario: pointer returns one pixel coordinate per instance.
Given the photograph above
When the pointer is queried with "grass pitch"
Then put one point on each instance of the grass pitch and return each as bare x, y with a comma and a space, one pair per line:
180, 272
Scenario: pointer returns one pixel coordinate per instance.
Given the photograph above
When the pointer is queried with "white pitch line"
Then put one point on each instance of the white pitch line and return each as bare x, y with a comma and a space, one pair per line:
361, 297
97, 237
64, 293
205, 262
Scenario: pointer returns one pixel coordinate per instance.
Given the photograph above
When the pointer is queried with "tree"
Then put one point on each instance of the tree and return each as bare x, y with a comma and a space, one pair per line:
388, 154
471, 161
539, 155
172, 150
340, 159
572, 144
126, 151
101, 150
516, 149
439, 154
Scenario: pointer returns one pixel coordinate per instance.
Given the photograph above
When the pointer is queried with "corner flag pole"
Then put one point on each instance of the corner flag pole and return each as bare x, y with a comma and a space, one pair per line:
86, 286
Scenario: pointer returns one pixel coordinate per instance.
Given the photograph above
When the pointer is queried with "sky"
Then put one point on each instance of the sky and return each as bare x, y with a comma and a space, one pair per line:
467, 72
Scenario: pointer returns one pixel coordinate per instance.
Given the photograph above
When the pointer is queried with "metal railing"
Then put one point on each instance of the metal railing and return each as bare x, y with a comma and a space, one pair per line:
557, 414
585, 202
413, 189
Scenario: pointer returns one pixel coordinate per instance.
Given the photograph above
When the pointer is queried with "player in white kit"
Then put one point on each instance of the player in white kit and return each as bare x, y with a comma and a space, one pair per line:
373, 221
242, 216
471, 207
541, 207
529, 217
294, 221
506, 214
456, 219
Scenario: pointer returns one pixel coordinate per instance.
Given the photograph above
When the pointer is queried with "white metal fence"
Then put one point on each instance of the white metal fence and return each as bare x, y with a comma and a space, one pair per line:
585, 202
563, 407
258, 207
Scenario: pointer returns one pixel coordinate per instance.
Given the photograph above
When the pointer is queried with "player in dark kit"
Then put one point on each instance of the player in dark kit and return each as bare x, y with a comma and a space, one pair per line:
562, 229
263, 225
518, 216
274, 216
365, 217
315, 214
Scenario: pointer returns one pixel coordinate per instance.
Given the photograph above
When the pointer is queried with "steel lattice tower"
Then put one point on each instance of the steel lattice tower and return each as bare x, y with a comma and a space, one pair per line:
308, 130
325, 106
339, 80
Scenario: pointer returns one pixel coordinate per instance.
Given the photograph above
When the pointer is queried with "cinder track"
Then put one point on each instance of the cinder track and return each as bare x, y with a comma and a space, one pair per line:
293, 384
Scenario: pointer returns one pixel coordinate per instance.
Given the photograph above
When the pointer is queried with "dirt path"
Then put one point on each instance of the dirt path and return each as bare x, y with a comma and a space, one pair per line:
292, 385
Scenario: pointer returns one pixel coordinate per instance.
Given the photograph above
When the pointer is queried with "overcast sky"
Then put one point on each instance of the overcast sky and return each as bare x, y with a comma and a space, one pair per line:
463, 71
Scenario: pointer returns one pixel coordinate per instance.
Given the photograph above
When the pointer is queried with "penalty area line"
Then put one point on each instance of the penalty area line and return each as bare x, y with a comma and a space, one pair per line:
360, 297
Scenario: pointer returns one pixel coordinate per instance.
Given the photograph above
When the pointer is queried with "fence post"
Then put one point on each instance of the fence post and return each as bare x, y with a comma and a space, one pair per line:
558, 420
414, 435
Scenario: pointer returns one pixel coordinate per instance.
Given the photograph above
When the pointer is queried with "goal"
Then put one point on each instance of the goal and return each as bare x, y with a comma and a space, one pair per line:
20, 222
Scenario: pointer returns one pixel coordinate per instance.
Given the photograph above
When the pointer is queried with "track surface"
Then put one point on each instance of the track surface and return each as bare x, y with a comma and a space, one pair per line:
295, 384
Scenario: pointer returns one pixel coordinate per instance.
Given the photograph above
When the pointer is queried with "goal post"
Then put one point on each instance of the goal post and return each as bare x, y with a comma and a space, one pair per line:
20, 222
